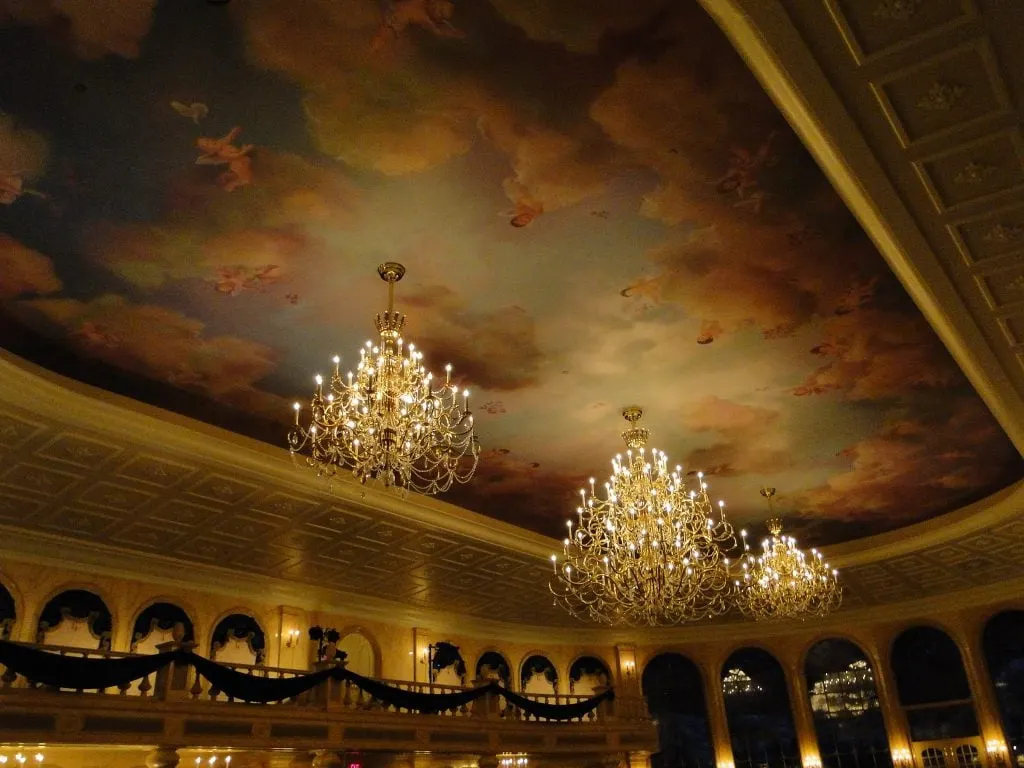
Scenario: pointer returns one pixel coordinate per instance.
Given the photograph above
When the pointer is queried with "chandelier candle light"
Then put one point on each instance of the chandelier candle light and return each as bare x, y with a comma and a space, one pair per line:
390, 422
650, 551
783, 582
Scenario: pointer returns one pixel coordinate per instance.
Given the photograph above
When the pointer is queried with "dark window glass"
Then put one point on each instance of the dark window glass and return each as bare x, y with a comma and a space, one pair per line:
1003, 643
674, 691
757, 707
932, 685
844, 702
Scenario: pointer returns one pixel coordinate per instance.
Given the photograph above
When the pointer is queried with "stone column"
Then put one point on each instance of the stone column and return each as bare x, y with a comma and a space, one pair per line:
327, 758
803, 718
990, 722
896, 726
163, 757
718, 722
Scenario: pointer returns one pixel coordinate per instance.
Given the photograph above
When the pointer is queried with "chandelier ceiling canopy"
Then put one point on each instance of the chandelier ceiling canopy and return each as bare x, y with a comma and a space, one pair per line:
647, 550
783, 582
391, 421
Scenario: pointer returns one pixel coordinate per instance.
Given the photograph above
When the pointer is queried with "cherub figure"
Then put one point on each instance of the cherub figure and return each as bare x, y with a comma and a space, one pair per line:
223, 152
744, 171
432, 15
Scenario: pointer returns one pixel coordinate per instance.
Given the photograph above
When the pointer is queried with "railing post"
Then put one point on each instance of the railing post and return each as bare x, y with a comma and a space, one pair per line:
606, 709
328, 695
172, 680
487, 705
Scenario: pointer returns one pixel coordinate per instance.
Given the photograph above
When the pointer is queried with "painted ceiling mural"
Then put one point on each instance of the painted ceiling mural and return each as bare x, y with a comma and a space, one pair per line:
596, 202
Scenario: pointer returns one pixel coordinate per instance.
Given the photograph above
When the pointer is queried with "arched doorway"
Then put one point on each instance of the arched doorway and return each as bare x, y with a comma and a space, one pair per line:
360, 655
936, 698
844, 702
493, 666
238, 639
538, 675
1003, 643
157, 624
758, 711
8, 614
674, 691
76, 618
588, 674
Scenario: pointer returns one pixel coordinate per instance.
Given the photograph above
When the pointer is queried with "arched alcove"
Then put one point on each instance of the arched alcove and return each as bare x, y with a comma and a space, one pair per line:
8, 613
360, 654
538, 675
844, 702
674, 691
238, 639
447, 667
932, 685
493, 666
1003, 643
157, 624
758, 711
586, 674
75, 618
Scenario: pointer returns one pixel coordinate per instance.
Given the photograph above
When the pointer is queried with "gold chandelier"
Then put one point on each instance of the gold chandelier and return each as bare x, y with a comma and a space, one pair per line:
783, 582
650, 551
390, 422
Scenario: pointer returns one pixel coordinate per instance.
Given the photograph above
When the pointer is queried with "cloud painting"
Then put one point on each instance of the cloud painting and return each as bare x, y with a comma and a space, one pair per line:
596, 203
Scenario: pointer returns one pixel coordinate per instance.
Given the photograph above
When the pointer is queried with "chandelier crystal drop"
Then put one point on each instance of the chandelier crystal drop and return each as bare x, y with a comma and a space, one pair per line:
649, 551
783, 582
391, 421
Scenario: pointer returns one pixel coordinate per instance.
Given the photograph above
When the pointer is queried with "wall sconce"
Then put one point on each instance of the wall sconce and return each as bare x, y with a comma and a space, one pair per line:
726, 764
629, 669
902, 758
811, 761
291, 638
997, 751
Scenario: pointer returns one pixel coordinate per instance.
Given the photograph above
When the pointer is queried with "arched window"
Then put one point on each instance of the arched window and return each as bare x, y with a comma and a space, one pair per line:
587, 674
76, 618
493, 666
932, 685
238, 639
758, 712
674, 692
7, 613
1003, 642
538, 675
844, 702
158, 624
360, 655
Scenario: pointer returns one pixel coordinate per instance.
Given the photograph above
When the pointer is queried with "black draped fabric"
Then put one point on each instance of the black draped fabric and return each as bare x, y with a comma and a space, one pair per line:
557, 711
80, 673
91, 674
252, 687
428, 703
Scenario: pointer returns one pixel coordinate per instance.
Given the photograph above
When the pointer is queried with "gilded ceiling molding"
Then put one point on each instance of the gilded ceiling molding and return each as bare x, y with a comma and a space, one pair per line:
766, 36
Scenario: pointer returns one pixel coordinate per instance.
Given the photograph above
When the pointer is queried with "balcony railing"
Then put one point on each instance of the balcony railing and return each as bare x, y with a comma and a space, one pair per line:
175, 705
